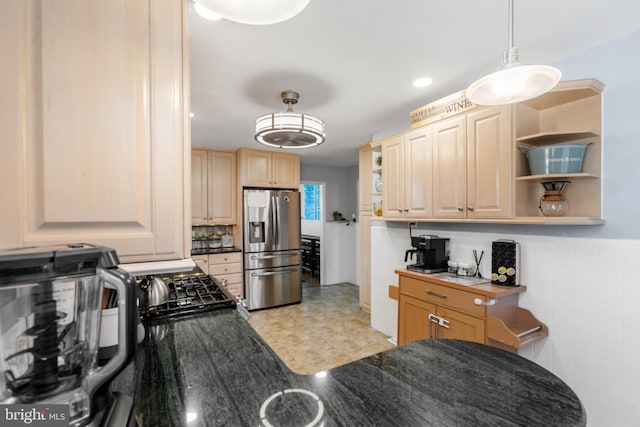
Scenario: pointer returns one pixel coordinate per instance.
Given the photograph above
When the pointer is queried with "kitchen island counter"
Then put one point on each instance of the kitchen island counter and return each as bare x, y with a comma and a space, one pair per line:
214, 369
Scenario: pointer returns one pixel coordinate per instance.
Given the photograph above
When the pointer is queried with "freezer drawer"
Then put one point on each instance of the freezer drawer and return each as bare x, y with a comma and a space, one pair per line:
271, 259
271, 287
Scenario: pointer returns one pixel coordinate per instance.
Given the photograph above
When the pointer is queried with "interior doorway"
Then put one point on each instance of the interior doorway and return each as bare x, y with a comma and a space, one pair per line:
311, 230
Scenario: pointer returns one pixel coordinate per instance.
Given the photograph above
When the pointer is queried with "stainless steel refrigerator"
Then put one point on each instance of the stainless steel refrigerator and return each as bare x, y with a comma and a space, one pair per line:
272, 258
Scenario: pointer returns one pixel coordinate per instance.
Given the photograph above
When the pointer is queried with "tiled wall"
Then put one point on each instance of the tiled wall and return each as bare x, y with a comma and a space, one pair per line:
587, 291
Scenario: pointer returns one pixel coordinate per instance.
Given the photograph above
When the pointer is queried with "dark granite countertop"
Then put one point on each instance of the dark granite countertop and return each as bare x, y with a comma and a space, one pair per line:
214, 369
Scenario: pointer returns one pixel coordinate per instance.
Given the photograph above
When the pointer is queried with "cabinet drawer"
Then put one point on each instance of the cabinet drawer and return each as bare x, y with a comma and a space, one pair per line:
225, 258
232, 279
235, 290
442, 295
220, 269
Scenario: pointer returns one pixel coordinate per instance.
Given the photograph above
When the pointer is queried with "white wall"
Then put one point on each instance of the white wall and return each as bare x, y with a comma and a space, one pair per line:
339, 242
582, 281
311, 228
339, 253
340, 189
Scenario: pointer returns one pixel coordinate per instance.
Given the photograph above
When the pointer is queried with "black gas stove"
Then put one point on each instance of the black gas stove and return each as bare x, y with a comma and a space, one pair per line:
189, 295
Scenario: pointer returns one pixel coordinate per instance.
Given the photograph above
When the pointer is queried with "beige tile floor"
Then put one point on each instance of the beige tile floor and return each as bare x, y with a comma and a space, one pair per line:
326, 330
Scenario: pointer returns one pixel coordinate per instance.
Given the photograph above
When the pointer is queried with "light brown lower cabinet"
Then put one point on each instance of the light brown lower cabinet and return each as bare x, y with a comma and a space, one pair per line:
429, 308
226, 266
202, 261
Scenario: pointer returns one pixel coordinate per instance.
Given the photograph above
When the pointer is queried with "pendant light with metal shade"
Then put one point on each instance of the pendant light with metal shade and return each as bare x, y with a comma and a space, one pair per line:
514, 82
289, 129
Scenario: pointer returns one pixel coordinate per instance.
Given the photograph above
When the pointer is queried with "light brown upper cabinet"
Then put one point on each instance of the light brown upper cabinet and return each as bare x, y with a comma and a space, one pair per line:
213, 187
490, 151
406, 192
268, 169
478, 171
473, 165
95, 143
450, 168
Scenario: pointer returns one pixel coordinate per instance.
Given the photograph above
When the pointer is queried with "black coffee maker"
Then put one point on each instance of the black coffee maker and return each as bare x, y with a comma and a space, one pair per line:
431, 254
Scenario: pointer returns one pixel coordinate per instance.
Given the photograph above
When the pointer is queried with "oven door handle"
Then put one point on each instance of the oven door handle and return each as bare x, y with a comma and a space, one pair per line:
274, 273
257, 257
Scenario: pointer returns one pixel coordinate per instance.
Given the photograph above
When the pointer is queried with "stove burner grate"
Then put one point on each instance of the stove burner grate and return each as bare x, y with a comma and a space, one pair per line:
188, 295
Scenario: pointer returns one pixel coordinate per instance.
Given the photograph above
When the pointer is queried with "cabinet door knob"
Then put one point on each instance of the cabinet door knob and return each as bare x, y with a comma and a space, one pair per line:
470, 208
460, 209
399, 210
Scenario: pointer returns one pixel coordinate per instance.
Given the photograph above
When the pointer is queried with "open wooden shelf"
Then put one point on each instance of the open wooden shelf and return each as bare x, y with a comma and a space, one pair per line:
544, 138
558, 220
566, 92
557, 177
513, 332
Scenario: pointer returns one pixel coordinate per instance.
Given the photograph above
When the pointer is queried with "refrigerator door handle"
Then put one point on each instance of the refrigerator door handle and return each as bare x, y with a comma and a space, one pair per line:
274, 240
276, 201
284, 255
273, 273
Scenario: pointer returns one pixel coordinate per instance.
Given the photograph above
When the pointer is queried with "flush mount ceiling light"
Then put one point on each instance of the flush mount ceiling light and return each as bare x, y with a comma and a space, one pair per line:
289, 129
514, 82
422, 82
262, 12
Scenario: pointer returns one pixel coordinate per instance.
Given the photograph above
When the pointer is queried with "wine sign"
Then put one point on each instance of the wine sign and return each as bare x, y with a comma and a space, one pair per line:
440, 109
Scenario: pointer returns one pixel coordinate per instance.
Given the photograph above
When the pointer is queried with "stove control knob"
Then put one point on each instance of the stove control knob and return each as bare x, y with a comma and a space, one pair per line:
223, 282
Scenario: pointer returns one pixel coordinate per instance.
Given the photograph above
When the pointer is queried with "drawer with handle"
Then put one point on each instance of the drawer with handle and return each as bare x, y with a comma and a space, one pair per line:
443, 295
220, 269
225, 258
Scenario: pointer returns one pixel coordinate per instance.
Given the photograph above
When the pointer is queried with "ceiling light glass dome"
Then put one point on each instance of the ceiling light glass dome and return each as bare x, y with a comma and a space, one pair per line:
262, 12
514, 82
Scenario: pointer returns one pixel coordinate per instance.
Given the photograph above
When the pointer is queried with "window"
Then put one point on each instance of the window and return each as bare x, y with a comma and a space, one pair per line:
311, 201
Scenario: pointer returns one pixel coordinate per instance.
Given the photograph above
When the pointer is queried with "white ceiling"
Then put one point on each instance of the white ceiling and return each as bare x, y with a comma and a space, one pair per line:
353, 61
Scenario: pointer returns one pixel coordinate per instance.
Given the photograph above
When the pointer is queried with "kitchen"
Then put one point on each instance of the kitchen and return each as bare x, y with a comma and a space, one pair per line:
597, 366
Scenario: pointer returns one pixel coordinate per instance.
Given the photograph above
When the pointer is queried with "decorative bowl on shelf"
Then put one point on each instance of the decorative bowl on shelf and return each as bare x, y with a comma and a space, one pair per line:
555, 158
378, 183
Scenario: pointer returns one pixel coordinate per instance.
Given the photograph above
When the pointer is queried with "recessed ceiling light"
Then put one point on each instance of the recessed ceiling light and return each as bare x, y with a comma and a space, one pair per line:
422, 82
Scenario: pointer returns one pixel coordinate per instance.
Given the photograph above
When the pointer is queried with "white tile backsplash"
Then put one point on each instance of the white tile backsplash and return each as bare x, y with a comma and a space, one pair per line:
586, 290
631, 413
631, 308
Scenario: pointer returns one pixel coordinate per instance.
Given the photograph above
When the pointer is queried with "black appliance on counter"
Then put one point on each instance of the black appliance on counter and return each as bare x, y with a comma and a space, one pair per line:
505, 262
431, 254
189, 293
50, 320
